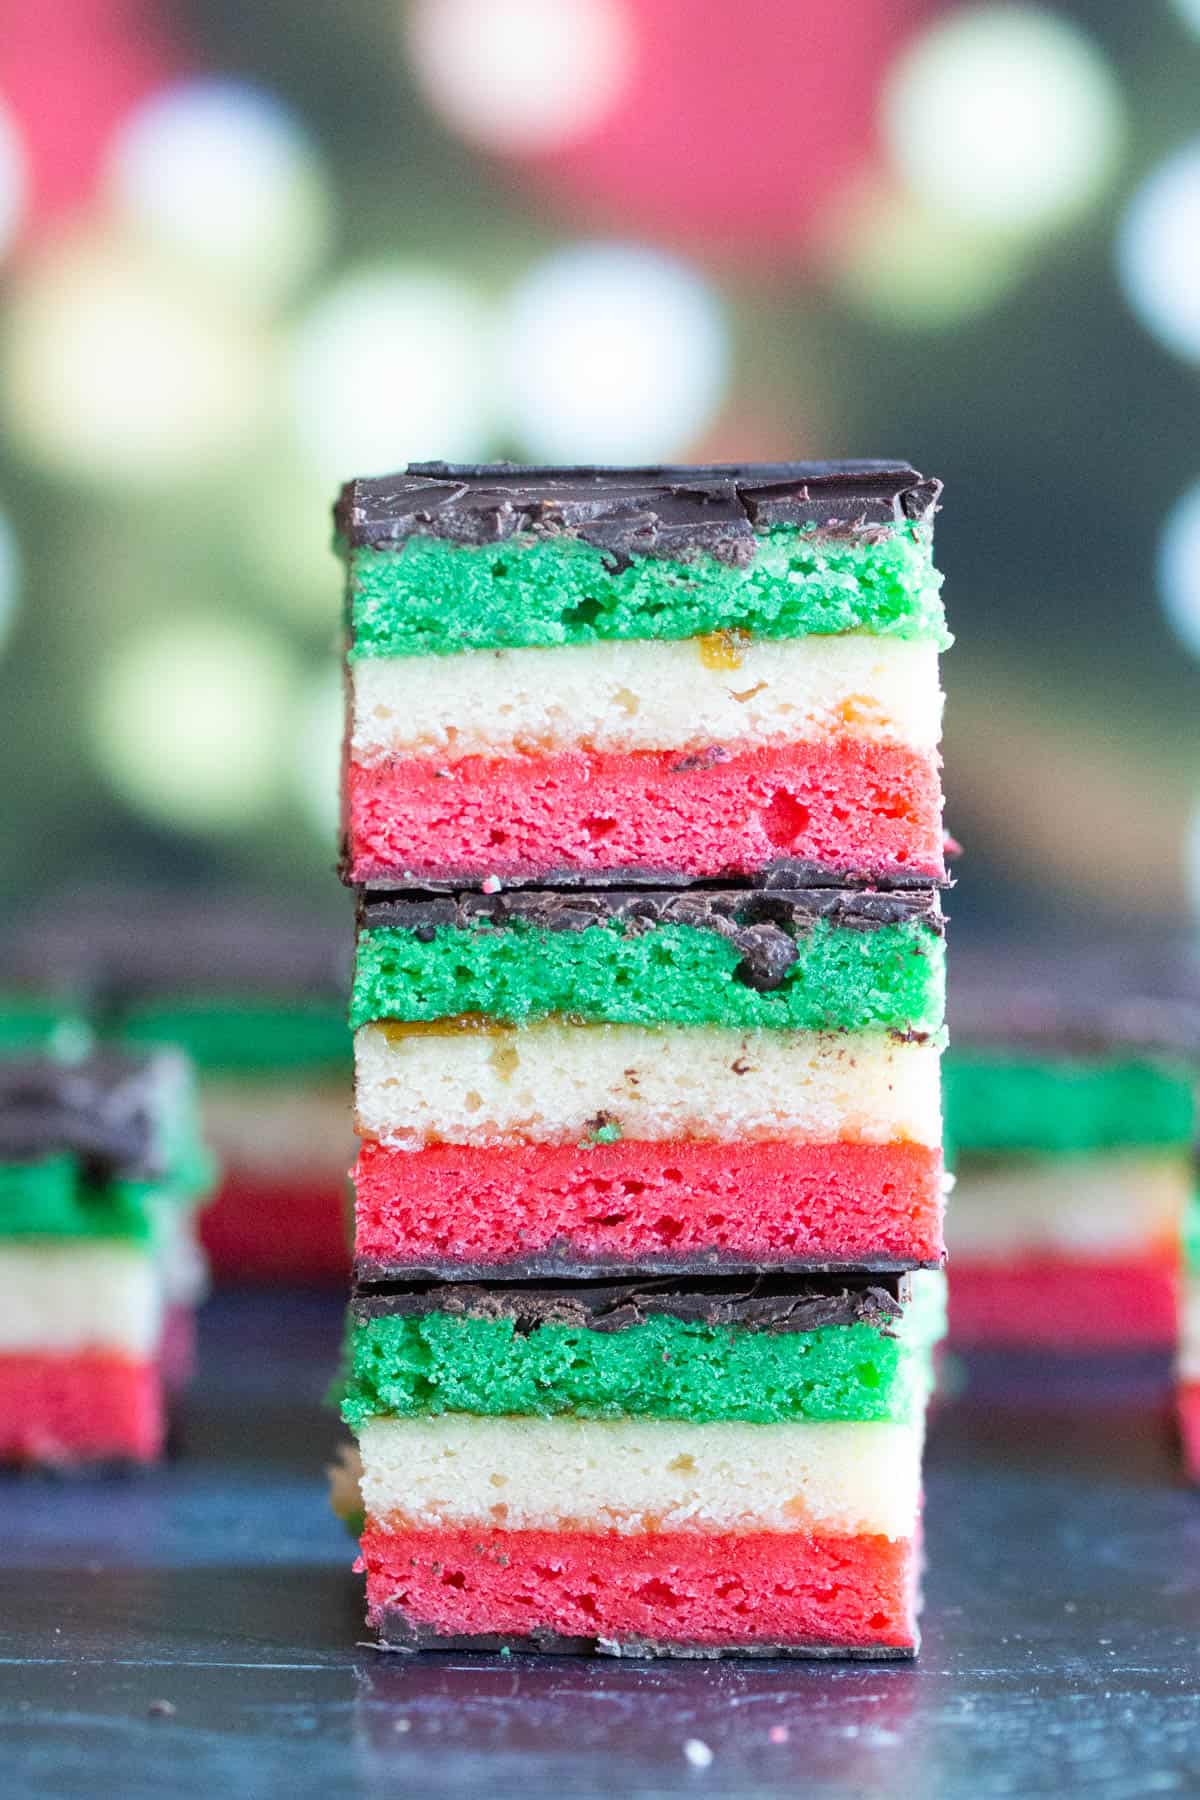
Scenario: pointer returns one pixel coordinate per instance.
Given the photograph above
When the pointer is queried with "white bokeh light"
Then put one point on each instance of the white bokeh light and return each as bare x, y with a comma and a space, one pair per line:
392, 365
1005, 116
612, 354
221, 173
1189, 12
190, 722
522, 75
115, 371
1179, 569
13, 180
914, 269
1158, 252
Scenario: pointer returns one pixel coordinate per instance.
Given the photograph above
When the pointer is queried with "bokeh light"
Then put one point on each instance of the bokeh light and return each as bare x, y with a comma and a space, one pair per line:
221, 173
737, 128
70, 71
391, 365
1189, 12
190, 721
1158, 252
10, 578
1179, 569
521, 74
115, 370
905, 266
1004, 116
283, 527
612, 354
13, 180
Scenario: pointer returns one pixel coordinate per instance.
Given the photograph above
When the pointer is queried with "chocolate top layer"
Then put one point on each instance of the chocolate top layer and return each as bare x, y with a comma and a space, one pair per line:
677, 511
1089, 1002
759, 1304
762, 926
108, 1111
115, 949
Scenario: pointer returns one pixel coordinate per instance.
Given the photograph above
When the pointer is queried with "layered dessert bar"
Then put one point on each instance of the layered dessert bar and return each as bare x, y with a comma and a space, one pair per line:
661, 1468
273, 1059
670, 1080
565, 676
1187, 1365
255, 996
1070, 1119
101, 1171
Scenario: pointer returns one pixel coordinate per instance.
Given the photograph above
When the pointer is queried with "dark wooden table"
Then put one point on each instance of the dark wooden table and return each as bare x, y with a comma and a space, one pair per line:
194, 1632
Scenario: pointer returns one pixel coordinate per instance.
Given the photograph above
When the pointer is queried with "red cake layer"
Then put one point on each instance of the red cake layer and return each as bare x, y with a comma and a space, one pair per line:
671, 1587
78, 1407
847, 805
647, 1203
1187, 1411
1065, 1303
281, 1230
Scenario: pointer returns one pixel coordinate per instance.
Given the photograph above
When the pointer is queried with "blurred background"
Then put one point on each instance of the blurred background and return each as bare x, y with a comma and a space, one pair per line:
248, 251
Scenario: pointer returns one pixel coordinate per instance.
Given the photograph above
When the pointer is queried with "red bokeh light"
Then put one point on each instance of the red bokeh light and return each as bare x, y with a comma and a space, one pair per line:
740, 123
69, 73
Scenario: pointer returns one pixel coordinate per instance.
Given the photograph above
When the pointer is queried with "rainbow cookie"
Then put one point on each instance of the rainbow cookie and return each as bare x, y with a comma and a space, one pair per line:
101, 1170
644, 1469
658, 675
255, 996
1187, 1364
562, 1084
1070, 1117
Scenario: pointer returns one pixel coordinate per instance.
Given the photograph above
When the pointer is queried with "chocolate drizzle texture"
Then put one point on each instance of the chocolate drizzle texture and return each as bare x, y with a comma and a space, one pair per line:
762, 1303
717, 510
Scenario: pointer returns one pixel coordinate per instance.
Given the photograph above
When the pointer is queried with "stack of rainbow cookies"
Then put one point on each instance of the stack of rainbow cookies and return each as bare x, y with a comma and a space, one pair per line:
643, 807
101, 1174
1070, 1121
254, 994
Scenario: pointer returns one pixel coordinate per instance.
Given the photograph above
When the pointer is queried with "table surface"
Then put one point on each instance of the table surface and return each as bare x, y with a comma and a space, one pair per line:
195, 1631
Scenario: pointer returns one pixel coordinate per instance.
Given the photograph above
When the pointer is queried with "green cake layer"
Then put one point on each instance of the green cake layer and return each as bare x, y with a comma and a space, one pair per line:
1191, 1235
229, 1035
31, 1024
997, 1104
435, 597
892, 977
50, 1199
662, 1368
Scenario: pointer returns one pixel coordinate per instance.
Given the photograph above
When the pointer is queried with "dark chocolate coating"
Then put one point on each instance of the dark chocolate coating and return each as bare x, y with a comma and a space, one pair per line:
786, 873
107, 1111
762, 926
110, 949
704, 1265
762, 1303
402, 1636
670, 511
1086, 1002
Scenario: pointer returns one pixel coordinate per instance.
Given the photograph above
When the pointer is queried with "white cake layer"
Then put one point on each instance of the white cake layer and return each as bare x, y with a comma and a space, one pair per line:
1188, 1360
79, 1296
1094, 1205
550, 1082
280, 1129
646, 696
632, 1475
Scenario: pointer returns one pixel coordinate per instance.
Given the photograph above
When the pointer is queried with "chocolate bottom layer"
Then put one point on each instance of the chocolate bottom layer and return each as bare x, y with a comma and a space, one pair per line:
399, 1636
